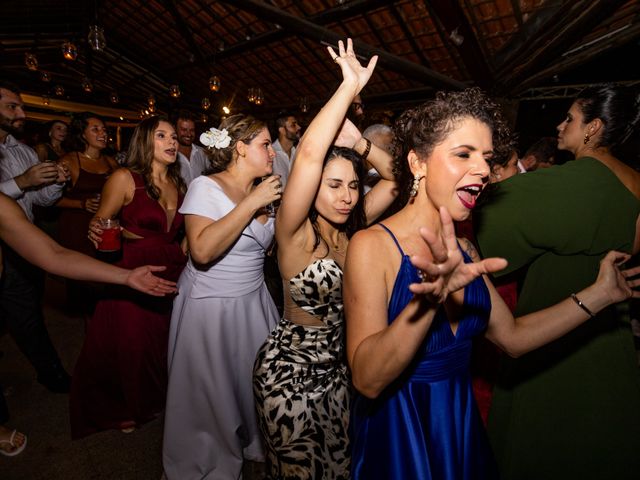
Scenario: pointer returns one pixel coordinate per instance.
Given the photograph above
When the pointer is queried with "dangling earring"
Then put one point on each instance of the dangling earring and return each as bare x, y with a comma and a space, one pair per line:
416, 184
586, 138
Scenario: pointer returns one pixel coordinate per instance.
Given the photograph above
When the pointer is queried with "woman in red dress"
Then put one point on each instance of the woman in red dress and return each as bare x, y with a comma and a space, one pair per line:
121, 375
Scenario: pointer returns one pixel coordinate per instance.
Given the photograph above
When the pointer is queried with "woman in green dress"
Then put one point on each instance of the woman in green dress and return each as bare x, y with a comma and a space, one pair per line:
570, 409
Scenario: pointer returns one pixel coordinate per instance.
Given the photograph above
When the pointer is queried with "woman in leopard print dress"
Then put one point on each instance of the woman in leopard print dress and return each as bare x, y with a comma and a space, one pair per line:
301, 382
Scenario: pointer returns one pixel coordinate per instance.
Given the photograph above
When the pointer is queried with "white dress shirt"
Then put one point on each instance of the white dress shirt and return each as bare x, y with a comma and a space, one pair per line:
15, 159
194, 166
282, 163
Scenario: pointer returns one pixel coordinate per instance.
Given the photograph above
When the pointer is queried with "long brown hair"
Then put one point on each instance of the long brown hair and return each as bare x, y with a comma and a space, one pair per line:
140, 156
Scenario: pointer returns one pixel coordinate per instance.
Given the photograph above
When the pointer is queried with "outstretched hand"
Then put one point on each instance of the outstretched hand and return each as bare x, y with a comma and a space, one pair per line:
144, 280
619, 284
350, 66
447, 272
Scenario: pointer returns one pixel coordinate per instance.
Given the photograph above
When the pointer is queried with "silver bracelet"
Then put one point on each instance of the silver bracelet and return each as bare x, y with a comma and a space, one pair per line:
582, 305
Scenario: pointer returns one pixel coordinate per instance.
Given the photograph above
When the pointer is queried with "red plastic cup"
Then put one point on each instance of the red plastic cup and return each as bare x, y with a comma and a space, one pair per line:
111, 235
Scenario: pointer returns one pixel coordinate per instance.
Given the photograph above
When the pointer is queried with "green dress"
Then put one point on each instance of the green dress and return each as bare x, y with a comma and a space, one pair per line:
571, 409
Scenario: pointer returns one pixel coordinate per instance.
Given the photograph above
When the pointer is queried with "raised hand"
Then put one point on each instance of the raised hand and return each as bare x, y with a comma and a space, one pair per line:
447, 272
350, 66
144, 280
618, 284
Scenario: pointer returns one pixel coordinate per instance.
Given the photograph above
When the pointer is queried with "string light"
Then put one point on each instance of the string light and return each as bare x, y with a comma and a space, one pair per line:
31, 61
69, 51
214, 83
174, 91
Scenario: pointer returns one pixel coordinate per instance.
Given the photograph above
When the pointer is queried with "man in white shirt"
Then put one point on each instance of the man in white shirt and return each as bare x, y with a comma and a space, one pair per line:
29, 182
192, 158
284, 146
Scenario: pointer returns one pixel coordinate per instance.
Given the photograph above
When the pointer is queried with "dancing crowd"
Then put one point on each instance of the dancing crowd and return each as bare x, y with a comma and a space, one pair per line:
361, 367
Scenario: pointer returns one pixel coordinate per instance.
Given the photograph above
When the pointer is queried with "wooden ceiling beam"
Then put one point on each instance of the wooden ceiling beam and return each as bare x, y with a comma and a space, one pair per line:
566, 62
185, 30
546, 34
336, 14
453, 18
324, 35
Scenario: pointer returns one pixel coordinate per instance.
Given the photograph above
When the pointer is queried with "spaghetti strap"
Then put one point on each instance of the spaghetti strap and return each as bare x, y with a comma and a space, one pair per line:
394, 238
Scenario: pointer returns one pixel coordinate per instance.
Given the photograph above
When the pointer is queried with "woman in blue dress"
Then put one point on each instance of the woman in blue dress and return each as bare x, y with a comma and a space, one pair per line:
415, 296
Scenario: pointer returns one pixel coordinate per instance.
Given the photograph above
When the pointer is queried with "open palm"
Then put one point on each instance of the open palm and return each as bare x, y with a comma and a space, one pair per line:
350, 66
447, 272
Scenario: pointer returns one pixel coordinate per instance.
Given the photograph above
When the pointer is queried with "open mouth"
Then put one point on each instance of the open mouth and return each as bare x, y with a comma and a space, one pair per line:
468, 195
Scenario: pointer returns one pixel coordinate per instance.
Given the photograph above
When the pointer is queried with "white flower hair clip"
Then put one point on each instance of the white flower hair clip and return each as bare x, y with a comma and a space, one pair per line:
214, 138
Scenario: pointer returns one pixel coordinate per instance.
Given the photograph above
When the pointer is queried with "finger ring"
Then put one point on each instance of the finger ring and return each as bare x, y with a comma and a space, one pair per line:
335, 59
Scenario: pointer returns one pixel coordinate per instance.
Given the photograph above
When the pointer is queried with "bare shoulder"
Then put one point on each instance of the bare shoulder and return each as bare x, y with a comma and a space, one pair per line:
370, 239
122, 175
469, 248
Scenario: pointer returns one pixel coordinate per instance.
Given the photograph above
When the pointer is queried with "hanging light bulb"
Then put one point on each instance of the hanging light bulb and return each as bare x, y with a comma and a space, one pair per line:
174, 91
151, 108
31, 61
45, 77
69, 51
304, 104
251, 95
151, 100
46, 100
87, 86
226, 110
96, 38
59, 90
113, 97
204, 118
214, 83
259, 97
205, 103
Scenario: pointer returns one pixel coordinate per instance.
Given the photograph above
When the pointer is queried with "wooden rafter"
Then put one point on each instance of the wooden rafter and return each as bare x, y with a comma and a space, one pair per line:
324, 35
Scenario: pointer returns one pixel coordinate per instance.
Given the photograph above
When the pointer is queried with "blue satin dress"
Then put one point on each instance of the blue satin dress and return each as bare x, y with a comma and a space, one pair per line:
426, 424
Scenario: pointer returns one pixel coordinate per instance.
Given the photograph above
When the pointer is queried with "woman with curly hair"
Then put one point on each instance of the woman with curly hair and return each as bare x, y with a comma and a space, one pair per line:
412, 313
120, 378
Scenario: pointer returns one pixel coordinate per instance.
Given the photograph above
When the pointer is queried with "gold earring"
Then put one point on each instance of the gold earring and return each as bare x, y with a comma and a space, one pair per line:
586, 138
416, 185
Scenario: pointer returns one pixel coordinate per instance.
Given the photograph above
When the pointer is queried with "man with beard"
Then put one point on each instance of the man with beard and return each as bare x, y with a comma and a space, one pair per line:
29, 182
284, 146
193, 159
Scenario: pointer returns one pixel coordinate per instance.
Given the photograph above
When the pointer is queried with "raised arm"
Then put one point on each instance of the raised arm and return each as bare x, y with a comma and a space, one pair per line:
385, 191
306, 172
523, 334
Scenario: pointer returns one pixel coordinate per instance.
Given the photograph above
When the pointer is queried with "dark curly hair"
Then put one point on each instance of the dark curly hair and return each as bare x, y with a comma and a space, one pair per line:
140, 156
616, 106
357, 219
241, 128
422, 128
75, 142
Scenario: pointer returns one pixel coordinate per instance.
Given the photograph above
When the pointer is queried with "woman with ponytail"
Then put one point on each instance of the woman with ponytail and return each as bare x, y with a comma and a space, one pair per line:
570, 409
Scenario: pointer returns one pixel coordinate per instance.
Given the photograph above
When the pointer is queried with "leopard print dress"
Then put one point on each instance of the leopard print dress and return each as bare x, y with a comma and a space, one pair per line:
301, 383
